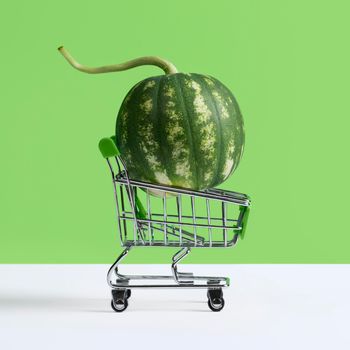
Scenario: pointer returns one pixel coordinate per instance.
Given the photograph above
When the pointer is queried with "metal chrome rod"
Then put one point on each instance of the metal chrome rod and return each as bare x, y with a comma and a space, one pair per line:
165, 286
241, 200
209, 223
185, 243
176, 259
179, 215
168, 277
224, 222
186, 235
149, 217
193, 208
165, 218
182, 223
114, 267
121, 188
186, 216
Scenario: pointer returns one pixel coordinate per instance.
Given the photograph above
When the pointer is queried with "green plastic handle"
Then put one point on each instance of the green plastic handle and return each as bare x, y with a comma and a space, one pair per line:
108, 147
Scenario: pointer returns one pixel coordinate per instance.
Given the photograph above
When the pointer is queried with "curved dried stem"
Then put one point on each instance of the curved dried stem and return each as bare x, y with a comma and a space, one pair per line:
167, 66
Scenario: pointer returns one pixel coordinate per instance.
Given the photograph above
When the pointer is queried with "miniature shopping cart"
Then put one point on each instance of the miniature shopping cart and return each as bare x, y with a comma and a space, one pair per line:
152, 215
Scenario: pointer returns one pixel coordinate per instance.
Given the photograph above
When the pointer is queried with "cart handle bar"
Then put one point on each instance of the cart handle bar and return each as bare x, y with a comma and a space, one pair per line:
108, 147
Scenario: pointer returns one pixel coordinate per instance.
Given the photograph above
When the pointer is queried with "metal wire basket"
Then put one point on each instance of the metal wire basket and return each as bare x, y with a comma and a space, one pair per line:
153, 215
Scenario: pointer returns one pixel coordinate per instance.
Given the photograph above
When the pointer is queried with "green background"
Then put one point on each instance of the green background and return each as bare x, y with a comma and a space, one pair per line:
287, 63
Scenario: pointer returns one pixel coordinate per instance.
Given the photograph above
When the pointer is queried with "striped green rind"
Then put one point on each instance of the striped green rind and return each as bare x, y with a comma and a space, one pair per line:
180, 129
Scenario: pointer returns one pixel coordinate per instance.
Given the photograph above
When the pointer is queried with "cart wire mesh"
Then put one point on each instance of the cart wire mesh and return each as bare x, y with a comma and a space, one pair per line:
156, 215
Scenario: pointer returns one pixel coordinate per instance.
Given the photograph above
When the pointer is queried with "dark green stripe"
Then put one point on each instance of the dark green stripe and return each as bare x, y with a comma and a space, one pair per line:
157, 119
179, 87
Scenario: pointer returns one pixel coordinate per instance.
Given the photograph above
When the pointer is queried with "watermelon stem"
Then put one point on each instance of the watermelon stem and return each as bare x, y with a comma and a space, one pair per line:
167, 66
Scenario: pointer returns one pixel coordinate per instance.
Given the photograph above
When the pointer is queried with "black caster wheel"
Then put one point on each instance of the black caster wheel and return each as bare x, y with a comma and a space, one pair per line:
217, 304
119, 305
120, 299
216, 301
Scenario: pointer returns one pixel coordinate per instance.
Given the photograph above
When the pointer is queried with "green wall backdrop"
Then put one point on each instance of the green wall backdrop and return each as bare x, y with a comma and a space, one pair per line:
287, 62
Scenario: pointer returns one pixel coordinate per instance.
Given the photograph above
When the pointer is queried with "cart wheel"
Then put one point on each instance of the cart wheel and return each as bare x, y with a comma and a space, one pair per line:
216, 304
119, 305
128, 293
120, 299
215, 299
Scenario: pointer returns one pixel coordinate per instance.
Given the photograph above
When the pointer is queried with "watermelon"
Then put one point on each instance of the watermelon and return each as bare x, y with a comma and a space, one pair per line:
183, 130
177, 129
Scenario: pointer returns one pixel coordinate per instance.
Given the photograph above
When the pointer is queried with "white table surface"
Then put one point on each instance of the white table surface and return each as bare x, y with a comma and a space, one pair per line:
267, 307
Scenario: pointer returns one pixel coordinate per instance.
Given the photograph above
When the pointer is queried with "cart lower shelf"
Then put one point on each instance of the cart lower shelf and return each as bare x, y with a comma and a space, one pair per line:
123, 284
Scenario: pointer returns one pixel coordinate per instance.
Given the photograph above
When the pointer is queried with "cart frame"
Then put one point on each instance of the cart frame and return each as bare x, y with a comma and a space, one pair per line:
173, 229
